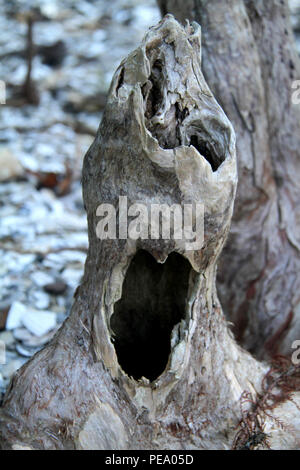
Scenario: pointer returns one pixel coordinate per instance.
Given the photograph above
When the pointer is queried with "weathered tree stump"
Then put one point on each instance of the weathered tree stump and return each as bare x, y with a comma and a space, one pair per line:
250, 63
145, 360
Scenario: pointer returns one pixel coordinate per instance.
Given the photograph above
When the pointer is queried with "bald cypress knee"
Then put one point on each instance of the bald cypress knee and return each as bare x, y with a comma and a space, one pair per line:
146, 360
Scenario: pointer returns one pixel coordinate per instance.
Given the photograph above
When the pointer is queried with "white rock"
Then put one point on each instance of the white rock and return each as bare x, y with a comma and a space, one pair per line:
59, 260
41, 300
9, 369
15, 315
72, 276
31, 341
22, 334
7, 337
26, 352
39, 323
10, 167
41, 278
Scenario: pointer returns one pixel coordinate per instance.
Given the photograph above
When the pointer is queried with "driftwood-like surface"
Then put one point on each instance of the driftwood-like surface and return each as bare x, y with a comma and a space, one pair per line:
145, 360
250, 63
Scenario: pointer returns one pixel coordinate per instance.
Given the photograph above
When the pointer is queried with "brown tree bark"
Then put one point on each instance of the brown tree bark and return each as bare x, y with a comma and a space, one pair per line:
145, 360
250, 63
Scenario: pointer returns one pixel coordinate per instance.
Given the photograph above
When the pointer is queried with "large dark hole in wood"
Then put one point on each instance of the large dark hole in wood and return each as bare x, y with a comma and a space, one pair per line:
153, 301
207, 151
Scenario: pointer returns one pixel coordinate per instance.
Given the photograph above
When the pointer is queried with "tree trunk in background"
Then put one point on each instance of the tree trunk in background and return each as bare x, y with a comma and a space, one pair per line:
250, 62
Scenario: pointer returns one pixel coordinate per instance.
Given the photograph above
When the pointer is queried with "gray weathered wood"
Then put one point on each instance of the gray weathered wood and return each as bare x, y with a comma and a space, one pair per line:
74, 393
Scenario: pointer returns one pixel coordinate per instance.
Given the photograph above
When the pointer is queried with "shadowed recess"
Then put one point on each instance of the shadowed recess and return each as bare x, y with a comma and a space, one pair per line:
153, 301
207, 151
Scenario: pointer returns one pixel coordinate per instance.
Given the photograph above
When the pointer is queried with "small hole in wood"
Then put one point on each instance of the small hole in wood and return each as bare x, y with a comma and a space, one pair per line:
207, 152
120, 80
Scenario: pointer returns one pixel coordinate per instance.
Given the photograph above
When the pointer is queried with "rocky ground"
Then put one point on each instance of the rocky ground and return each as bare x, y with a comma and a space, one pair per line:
77, 45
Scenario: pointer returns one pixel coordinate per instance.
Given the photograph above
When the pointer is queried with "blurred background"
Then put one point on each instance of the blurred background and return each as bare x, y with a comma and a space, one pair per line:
57, 59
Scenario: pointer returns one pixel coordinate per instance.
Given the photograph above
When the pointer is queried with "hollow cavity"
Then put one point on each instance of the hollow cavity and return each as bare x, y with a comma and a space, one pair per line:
153, 301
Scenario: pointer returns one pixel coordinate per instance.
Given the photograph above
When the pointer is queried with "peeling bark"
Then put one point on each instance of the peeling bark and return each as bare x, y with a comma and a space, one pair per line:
163, 139
250, 63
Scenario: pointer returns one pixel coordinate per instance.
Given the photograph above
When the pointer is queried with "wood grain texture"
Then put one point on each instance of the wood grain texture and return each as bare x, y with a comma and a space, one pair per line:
74, 393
